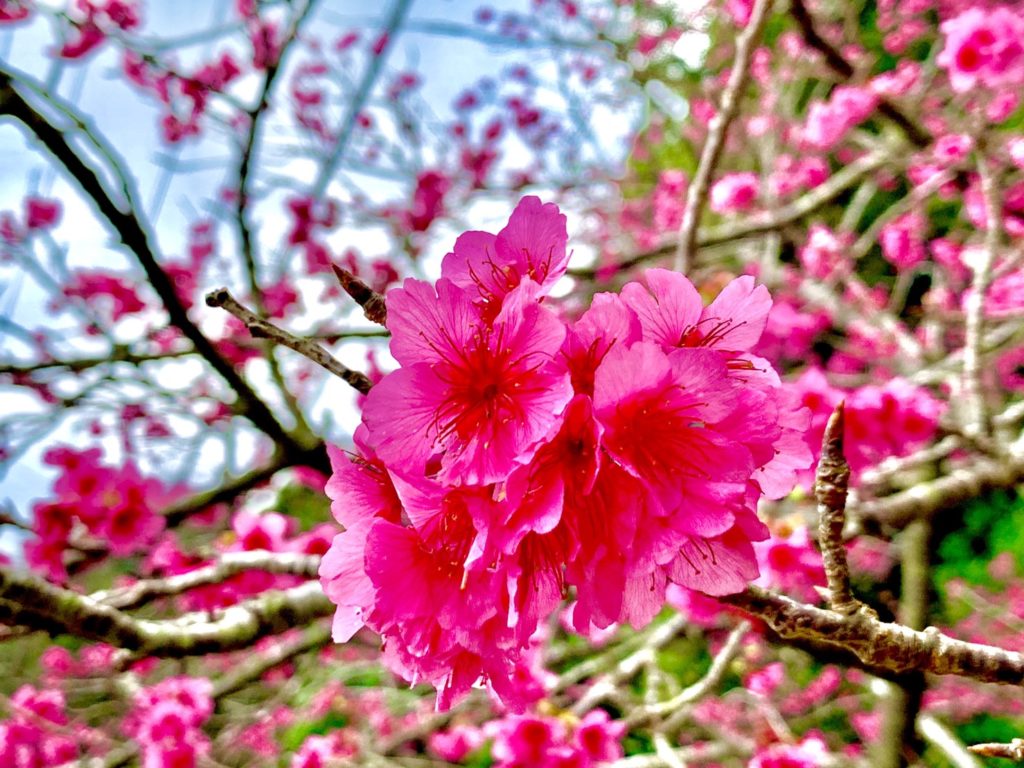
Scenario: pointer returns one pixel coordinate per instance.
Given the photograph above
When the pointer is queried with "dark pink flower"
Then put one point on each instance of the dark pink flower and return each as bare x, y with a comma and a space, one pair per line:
480, 396
531, 247
41, 213
983, 46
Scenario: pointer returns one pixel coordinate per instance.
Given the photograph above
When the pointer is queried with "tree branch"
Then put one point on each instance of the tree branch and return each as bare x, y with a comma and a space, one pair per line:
975, 421
31, 602
718, 131
881, 645
132, 233
227, 565
803, 206
264, 329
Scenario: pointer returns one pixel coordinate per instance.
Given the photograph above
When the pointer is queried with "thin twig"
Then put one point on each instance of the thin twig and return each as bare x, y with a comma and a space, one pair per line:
879, 645
942, 738
711, 679
261, 328
697, 193
1012, 751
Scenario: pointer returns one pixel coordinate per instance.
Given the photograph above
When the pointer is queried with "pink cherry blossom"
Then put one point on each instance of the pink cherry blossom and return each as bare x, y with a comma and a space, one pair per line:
734, 192
482, 394
531, 247
511, 456
983, 47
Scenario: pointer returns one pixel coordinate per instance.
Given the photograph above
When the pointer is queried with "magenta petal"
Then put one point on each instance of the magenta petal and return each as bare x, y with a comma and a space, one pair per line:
625, 373
534, 241
722, 565
741, 309
427, 327
668, 306
471, 265
400, 413
344, 579
359, 489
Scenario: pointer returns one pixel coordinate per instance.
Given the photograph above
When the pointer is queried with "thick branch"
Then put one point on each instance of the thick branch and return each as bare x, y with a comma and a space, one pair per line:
226, 566
29, 601
878, 644
264, 329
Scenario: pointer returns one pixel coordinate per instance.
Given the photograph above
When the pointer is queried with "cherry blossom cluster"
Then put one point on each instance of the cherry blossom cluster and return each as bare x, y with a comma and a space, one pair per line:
166, 721
535, 741
116, 506
40, 213
517, 453
40, 733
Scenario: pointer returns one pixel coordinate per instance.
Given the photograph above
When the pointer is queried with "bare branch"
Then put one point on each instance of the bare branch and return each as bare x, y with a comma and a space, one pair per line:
227, 565
261, 328
881, 645
711, 680
28, 601
975, 420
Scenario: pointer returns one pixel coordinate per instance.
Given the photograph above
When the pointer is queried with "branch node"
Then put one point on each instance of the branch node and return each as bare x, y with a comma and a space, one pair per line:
831, 482
373, 304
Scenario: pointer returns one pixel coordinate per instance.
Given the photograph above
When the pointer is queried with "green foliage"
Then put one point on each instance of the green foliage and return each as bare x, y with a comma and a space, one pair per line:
481, 758
305, 505
991, 524
293, 737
